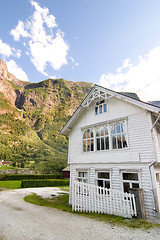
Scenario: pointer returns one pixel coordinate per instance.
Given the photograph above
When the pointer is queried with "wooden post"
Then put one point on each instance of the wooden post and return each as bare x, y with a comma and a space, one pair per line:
138, 193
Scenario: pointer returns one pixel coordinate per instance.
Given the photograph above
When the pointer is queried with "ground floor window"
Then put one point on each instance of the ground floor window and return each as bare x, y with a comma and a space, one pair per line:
103, 179
130, 180
82, 176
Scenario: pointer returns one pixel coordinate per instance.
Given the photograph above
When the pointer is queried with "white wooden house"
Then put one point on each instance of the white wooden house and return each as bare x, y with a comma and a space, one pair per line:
114, 142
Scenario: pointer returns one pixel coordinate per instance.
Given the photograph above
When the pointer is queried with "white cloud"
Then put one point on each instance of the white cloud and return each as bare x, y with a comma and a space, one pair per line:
17, 71
16, 53
19, 31
75, 63
5, 49
144, 76
53, 77
44, 41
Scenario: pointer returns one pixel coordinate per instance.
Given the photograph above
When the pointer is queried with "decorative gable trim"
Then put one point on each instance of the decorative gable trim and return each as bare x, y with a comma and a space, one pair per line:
98, 92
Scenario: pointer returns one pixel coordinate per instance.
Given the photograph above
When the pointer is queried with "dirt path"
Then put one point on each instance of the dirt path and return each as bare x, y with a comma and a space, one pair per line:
20, 220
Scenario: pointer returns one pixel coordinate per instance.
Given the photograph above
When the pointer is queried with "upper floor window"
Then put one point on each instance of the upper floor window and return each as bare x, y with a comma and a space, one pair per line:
88, 140
102, 138
101, 107
105, 137
118, 135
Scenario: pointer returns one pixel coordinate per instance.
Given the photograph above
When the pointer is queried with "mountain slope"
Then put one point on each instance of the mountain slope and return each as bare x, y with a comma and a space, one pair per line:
31, 116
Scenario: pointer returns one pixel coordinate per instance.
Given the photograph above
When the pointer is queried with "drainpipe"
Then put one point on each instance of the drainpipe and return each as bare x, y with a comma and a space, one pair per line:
155, 122
150, 166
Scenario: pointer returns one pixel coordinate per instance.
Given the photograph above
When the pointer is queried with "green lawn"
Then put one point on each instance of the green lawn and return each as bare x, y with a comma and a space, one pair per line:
61, 202
10, 184
6, 167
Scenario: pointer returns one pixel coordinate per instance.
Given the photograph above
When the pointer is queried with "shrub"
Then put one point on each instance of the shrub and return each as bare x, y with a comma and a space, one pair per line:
44, 183
9, 177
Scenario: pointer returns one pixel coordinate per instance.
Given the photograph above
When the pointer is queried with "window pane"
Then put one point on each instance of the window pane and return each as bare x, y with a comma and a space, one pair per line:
119, 141
91, 132
88, 133
113, 131
84, 145
106, 131
118, 128
98, 133
126, 187
107, 142
106, 184
122, 127
135, 185
80, 174
92, 145
102, 131
96, 110
124, 142
85, 135
85, 174
84, 180
100, 109
130, 176
102, 143
100, 183
114, 142
104, 107
88, 145
103, 175
98, 143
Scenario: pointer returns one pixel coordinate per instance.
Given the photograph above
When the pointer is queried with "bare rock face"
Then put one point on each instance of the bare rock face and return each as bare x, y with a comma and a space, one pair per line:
5, 86
6, 79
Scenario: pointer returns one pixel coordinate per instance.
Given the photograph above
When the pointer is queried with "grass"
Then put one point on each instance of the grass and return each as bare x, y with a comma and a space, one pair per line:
6, 167
10, 184
61, 202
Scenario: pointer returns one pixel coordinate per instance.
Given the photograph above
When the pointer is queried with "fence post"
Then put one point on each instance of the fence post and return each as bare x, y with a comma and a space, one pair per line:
138, 194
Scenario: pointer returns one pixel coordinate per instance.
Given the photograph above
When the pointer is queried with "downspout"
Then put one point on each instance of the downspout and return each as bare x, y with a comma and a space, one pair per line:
155, 122
150, 166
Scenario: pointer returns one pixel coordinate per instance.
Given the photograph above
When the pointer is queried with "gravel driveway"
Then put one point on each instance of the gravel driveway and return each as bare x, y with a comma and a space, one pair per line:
20, 220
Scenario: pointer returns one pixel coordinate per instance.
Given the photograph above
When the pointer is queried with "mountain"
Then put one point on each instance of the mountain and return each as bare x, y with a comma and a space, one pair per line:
31, 116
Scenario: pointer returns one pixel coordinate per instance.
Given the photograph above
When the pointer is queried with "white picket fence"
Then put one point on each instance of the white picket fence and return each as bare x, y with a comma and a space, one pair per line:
91, 198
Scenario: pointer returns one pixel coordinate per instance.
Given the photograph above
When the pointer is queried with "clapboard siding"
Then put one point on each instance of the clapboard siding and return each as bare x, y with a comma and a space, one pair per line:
137, 157
116, 180
157, 142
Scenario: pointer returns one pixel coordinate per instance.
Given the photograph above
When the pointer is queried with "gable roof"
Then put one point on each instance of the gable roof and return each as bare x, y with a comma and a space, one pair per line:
98, 92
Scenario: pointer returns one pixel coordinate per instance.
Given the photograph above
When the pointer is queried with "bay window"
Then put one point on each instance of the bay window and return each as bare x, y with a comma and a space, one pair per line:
105, 137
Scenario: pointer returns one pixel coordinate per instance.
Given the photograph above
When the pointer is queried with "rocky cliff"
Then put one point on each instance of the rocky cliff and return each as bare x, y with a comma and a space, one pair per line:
31, 116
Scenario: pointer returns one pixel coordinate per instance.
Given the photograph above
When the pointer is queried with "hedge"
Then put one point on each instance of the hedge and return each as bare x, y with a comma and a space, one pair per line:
9, 177
44, 183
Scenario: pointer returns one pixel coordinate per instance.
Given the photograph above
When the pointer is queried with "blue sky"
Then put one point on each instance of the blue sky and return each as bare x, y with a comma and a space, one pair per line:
113, 43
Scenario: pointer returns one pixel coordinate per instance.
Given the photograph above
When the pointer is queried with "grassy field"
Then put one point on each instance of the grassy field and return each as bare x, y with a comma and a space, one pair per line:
4, 167
61, 203
10, 184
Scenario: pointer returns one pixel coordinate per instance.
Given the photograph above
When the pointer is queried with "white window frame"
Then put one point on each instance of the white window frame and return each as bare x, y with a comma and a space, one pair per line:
82, 178
90, 139
103, 179
109, 126
131, 181
100, 105
102, 137
121, 133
